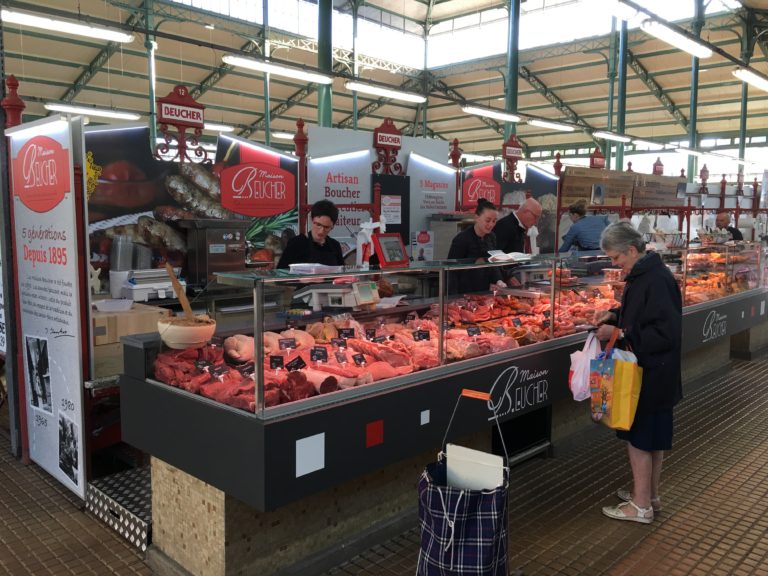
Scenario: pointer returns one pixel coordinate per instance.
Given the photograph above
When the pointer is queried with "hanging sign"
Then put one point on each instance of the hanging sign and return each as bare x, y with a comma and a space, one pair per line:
178, 108
49, 295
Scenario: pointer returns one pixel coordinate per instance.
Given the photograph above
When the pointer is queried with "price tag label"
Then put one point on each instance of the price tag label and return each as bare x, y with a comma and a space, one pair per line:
380, 339
296, 364
203, 365
219, 372
318, 354
516, 322
346, 333
339, 342
341, 358
421, 335
276, 362
547, 313
473, 331
359, 359
286, 343
545, 323
370, 333
500, 331
246, 369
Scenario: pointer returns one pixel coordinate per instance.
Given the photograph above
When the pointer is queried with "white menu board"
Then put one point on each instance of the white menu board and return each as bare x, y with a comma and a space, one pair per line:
45, 232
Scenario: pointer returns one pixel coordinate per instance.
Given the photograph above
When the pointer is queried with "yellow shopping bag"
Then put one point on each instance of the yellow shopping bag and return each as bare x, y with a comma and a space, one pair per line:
614, 383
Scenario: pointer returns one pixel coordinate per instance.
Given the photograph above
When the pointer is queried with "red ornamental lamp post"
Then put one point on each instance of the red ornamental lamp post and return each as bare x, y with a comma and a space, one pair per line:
704, 176
512, 152
658, 167
558, 166
12, 104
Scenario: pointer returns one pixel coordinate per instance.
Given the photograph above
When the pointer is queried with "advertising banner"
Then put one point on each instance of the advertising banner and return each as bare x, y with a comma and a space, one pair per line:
342, 179
42, 190
596, 187
483, 181
652, 190
433, 189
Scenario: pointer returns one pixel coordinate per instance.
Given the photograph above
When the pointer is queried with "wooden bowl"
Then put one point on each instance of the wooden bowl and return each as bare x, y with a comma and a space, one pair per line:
180, 333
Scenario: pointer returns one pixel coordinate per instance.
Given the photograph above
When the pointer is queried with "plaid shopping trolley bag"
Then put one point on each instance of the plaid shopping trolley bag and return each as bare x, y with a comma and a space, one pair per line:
463, 510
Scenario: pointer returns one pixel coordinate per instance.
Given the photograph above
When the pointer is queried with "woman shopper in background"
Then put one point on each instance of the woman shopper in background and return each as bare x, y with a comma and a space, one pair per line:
650, 319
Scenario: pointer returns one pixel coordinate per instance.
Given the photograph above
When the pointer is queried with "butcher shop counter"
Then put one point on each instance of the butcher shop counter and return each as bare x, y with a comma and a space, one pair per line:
335, 462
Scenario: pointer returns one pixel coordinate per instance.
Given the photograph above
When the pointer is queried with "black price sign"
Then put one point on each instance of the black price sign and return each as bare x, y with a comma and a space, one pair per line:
339, 342
286, 343
545, 323
203, 365
500, 331
296, 364
359, 359
547, 313
219, 372
346, 332
380, 339
473, 331
318, 354
276, 362
246, 369
420, 335
516, 322
341, 358
370, 333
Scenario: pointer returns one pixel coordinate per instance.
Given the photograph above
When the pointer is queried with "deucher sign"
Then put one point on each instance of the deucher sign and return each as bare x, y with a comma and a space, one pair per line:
383, 139
172, 113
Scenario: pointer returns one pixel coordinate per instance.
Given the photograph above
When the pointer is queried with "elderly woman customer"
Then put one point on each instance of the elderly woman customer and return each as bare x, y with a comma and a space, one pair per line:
650, 320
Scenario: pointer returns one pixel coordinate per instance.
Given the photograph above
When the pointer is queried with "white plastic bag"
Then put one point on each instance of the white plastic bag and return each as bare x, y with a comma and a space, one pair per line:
578, 376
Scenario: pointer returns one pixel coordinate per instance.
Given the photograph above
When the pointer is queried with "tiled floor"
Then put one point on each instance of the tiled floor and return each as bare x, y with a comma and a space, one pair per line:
715, 497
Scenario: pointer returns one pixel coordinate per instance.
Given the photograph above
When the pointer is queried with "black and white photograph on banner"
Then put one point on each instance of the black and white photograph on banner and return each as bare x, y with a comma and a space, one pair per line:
68, 448
38, 374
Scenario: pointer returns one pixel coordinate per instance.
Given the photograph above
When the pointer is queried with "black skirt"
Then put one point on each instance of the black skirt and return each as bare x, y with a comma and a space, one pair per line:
650, 431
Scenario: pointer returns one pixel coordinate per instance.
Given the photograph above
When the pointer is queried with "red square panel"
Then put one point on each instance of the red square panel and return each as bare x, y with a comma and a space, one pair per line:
374, 433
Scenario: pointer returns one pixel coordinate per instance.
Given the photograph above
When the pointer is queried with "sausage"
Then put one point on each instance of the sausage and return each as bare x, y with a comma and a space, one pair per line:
202, 178
195, 200
129, 230
172, 214
160, 235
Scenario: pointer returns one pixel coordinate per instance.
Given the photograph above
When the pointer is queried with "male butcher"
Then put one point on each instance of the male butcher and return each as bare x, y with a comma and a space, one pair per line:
513, 231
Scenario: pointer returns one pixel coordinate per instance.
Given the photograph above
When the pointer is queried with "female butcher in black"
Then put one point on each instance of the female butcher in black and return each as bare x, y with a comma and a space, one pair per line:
473, 244
317, 247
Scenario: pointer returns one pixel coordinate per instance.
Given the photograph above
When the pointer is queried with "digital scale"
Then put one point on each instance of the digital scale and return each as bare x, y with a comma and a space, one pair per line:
329, 295
150, 284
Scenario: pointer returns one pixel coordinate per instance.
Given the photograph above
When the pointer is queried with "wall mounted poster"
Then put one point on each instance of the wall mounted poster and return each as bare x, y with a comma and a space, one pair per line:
42, 191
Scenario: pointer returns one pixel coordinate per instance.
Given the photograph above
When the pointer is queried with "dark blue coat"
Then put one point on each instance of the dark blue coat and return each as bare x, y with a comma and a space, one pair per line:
652, 320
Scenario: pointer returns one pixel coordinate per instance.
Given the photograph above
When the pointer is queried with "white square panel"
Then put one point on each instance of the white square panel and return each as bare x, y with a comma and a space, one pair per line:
310, 454
424, 417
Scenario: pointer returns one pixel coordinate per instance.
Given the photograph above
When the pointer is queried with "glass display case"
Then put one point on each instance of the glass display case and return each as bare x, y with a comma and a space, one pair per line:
321, 337
716, 270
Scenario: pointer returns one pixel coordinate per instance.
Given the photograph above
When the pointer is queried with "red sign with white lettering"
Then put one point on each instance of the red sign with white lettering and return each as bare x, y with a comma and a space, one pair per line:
257, 189
178, 108
41, 174
475, 188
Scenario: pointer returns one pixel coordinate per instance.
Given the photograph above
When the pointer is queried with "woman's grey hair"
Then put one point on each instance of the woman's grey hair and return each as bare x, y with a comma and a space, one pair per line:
619, 236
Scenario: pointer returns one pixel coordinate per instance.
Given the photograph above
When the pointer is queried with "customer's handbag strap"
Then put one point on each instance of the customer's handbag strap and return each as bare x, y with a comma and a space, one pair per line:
477, 395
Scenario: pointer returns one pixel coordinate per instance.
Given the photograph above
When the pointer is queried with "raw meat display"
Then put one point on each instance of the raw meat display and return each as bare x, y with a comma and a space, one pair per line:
340, 353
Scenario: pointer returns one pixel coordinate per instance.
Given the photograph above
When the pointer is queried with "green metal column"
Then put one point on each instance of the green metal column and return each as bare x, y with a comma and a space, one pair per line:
611, 80
149, 44
748, 39
265, 50
622, 95
696, 26
513, 65
355, 69
324, 61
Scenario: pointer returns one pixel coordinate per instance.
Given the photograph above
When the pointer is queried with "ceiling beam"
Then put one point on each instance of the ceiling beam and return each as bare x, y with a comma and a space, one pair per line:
407, 86
555, 100
95, 65
222, 70
294, 99
492, 124
647, 79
